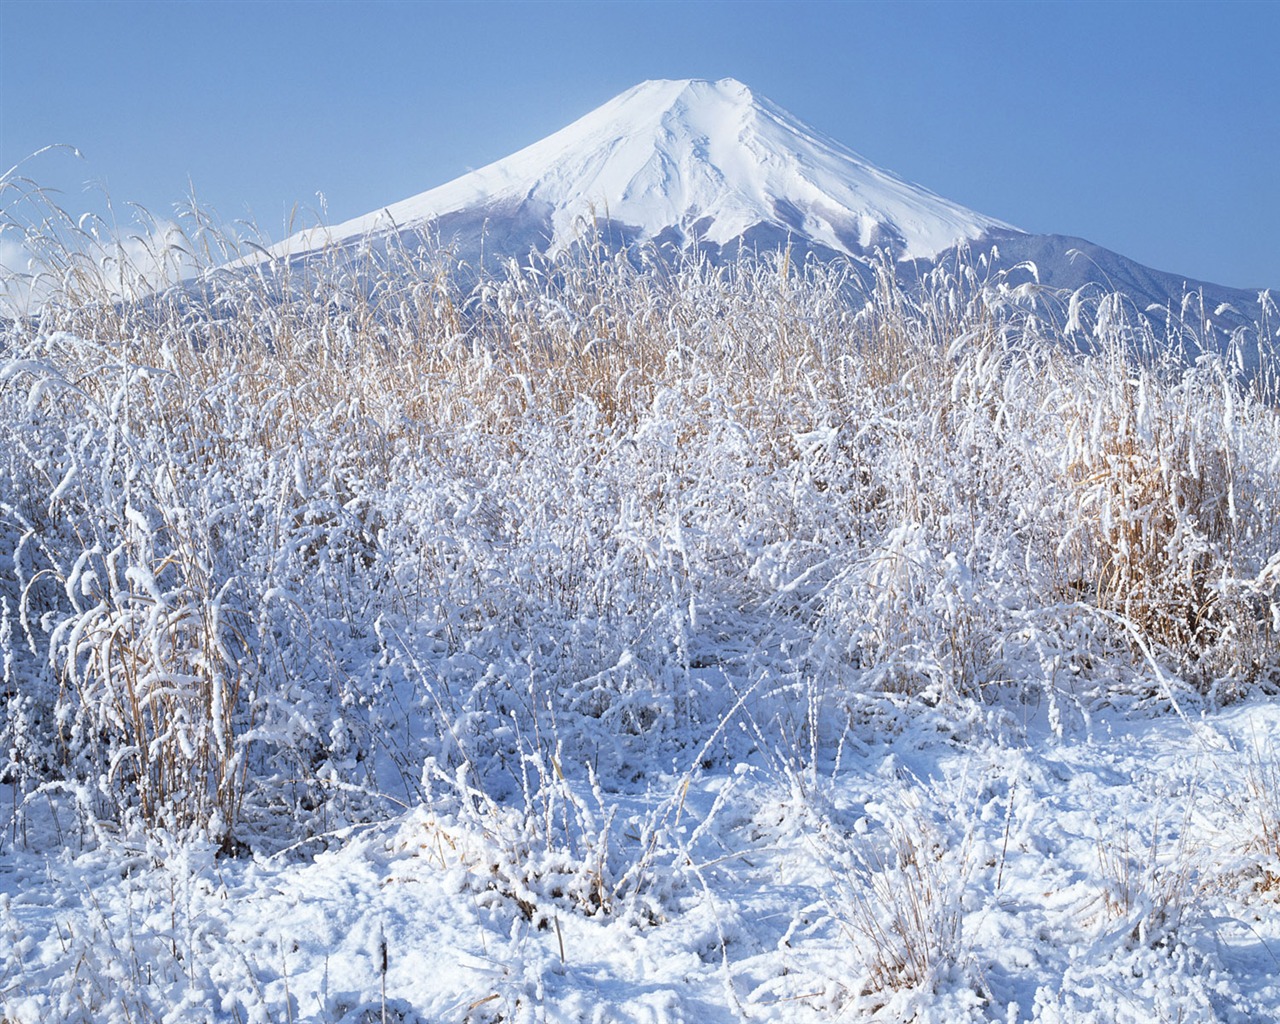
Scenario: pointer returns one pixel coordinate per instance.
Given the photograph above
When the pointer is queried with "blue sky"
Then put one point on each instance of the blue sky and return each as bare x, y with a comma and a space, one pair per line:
1149, 128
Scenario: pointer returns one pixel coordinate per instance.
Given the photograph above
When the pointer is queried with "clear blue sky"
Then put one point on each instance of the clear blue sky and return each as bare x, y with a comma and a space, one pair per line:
1149, 128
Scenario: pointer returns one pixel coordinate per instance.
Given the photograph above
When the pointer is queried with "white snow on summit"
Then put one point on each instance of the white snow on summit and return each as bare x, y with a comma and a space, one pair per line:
685, 159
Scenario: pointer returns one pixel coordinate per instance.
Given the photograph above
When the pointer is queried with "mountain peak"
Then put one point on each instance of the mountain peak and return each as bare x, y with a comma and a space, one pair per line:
669, 92
683, 160
696, 86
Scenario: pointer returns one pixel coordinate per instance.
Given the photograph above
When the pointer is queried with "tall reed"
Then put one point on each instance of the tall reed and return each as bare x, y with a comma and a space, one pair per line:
275, 531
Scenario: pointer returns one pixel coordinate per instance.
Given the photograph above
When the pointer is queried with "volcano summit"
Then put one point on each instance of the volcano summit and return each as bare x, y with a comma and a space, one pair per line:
674, 163
682, 163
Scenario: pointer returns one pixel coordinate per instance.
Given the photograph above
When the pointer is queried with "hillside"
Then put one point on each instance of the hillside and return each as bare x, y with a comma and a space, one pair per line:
674, 166
673, 163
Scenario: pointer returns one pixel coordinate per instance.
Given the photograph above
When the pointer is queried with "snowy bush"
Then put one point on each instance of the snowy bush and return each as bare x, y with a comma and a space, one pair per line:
277, 536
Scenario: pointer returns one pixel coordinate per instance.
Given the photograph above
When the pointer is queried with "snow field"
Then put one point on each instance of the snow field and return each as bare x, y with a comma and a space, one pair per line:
992, 877
632, 643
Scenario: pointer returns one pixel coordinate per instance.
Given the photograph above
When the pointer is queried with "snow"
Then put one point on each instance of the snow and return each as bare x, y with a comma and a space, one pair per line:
709, 159
1043, 861
703, 645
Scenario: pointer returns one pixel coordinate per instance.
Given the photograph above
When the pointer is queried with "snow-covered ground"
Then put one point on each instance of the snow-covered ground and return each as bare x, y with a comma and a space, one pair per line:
692, 645
1110, 875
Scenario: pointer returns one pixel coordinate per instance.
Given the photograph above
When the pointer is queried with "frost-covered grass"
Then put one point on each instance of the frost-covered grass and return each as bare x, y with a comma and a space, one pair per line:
590, 627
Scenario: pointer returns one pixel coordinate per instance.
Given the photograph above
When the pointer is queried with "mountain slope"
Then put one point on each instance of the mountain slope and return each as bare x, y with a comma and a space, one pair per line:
1066, 264
679, 161
692, 162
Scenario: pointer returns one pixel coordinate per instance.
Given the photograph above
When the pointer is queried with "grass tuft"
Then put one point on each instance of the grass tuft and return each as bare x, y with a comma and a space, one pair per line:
276, 531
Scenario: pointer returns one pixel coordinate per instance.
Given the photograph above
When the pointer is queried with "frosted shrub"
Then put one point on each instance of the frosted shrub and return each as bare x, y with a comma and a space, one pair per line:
275, 537
160, 590
1175, 520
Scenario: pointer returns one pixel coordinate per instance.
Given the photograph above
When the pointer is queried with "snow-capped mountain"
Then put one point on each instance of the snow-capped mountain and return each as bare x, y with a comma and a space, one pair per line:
675, 162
